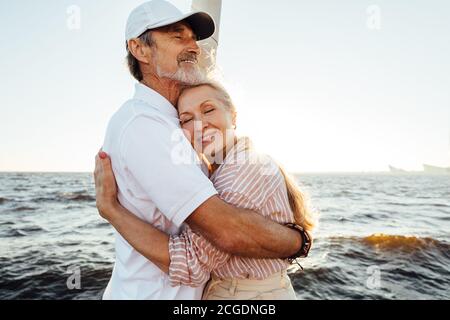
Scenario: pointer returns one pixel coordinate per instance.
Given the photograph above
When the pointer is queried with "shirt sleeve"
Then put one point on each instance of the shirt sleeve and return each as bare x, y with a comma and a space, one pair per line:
193, 258
164, 165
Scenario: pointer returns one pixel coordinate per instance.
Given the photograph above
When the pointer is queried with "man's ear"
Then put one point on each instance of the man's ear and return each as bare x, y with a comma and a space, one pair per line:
140, 51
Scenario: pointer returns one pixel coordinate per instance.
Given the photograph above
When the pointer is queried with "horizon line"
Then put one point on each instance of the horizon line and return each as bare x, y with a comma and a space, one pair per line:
293, 172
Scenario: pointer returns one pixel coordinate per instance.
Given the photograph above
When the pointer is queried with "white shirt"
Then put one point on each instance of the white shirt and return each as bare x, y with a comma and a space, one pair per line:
159, 182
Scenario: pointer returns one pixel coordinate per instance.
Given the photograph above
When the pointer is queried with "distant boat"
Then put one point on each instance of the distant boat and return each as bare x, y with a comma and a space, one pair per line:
396, 170
435, 170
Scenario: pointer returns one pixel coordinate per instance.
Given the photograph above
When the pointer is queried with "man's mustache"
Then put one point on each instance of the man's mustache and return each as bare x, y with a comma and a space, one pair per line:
188, 57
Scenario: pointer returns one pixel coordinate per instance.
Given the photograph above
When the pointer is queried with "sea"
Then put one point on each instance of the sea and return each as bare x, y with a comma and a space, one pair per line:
380, 236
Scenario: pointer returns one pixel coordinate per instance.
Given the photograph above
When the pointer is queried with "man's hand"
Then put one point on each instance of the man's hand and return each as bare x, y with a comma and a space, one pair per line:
105, 186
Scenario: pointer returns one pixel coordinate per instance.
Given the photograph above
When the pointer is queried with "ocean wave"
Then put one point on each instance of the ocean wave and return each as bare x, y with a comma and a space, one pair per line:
13, 233
79, 196
3, 200
403, 204
440, 205
393, 242
397, 204
344, 264
384, 241
24, 208
20, 189
31, 229
50, 283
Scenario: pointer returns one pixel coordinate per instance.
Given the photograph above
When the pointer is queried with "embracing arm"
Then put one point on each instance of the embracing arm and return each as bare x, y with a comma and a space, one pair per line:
142, 236
243, 232
236, 231
235, 236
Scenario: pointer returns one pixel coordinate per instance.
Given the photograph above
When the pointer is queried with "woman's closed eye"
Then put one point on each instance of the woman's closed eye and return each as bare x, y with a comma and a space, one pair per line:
210, 110
186, 120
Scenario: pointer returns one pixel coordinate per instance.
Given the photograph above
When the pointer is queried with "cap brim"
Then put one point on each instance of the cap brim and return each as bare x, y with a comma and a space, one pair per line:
201, 23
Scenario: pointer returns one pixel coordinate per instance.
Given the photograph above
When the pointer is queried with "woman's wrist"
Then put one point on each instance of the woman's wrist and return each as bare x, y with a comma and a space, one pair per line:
109, 210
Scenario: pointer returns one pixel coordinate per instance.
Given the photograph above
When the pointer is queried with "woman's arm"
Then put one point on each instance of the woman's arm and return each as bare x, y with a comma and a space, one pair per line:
145, 238
187, 258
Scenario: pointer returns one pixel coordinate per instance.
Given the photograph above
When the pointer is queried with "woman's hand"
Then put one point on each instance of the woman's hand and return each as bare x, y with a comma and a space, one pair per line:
105, 186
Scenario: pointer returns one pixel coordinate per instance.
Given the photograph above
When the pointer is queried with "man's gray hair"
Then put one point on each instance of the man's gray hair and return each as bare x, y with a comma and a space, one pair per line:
133, 63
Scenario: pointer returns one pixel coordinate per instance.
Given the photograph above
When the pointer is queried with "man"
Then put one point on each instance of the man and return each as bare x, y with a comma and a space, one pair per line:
160, 192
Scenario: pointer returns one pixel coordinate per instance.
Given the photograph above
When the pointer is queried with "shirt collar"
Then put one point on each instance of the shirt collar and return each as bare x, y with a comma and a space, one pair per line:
156, 100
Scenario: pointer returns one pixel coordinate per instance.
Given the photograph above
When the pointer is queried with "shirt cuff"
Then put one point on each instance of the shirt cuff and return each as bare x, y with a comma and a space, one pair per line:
175, 276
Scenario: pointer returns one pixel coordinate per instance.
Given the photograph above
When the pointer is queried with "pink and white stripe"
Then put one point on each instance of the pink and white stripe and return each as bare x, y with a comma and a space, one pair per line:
249, 181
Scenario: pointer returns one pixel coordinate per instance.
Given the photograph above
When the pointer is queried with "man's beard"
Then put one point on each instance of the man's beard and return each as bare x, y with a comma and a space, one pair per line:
191, 75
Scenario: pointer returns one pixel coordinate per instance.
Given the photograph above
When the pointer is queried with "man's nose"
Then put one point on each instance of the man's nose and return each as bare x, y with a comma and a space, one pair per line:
194, 47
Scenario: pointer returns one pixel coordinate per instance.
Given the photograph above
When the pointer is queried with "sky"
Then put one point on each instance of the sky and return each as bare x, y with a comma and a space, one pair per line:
322, 86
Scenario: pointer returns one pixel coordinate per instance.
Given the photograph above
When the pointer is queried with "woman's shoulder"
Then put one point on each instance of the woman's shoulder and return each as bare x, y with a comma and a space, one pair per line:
251, 173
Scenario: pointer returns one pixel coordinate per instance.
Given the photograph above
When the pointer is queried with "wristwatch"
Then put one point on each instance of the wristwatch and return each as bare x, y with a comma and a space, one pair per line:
306, 245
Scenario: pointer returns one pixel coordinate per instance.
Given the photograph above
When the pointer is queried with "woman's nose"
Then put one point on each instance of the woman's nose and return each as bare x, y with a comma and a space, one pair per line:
204, 123
200, 125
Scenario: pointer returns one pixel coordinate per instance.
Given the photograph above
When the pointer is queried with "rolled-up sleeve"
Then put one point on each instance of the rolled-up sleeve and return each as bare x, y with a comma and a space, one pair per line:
192, 259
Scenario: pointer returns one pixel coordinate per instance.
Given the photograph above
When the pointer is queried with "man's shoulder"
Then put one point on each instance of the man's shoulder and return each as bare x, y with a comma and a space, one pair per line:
132, 111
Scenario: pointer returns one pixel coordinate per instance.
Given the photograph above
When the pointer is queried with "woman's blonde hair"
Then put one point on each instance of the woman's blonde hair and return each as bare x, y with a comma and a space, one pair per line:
303, 215
215, 85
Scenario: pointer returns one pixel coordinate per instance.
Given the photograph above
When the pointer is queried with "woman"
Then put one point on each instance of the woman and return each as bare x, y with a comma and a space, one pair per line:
243, 178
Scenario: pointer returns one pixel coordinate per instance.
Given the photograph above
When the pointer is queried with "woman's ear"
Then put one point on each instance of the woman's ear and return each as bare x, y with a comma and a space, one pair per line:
140, 51
235, 120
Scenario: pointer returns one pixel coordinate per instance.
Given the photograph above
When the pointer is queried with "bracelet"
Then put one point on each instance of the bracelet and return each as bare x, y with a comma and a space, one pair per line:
306, 245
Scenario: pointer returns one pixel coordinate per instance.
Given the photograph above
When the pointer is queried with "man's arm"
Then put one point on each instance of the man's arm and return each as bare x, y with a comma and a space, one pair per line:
236, 231
242, 232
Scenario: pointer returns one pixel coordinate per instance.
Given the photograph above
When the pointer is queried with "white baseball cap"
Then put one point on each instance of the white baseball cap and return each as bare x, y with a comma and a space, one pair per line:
159, 13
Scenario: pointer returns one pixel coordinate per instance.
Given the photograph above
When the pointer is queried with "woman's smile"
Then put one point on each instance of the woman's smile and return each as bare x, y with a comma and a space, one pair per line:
209, 138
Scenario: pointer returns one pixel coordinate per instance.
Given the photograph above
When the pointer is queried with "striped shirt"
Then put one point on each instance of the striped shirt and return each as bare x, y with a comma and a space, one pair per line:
247, 180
